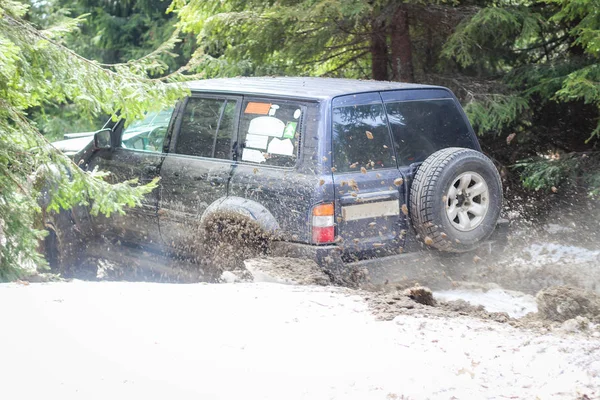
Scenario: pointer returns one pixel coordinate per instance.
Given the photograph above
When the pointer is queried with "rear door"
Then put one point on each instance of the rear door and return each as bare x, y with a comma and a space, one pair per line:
139, 151
370, 194
423, 122
269, 136
197, 170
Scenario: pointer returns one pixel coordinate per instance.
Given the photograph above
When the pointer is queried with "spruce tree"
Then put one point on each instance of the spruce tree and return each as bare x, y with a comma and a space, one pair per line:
538, 65
36, 69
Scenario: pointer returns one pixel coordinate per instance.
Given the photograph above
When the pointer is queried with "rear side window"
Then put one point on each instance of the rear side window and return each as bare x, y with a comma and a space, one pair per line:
361, 138
270, 132
207, 127
422, 127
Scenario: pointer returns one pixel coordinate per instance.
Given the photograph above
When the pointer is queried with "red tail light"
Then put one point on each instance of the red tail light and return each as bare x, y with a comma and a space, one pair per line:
323, 226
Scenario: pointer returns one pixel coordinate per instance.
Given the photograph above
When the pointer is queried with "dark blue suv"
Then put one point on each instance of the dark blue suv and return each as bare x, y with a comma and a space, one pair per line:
345, 172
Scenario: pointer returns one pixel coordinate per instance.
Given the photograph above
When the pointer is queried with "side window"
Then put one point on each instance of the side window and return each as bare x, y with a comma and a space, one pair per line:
361, 138
423, 127
148, 134
206, 128
270, 132
226, 131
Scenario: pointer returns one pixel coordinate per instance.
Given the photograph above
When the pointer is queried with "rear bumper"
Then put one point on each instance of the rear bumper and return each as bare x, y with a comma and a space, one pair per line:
431, 267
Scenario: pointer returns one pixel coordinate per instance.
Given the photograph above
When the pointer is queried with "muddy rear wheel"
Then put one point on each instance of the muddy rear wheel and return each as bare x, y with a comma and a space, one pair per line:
230, 241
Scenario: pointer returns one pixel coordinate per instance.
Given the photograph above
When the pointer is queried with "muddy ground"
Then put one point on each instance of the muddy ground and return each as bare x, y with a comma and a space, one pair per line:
549, 271
521, 323
103, 340
554, 256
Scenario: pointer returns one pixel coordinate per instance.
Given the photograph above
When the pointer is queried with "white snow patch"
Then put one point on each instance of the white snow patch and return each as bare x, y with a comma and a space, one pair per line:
539, 254
515, 304
119, 340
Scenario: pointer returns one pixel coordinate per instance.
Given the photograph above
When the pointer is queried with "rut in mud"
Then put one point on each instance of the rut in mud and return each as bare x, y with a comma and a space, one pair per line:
556, 304
547, 276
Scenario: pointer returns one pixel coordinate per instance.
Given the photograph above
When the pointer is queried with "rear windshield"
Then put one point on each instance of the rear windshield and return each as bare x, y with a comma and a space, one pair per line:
422, 127
361, 138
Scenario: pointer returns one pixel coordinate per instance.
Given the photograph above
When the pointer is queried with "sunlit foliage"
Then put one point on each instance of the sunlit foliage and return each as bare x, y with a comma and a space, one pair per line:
546, 55
37, 70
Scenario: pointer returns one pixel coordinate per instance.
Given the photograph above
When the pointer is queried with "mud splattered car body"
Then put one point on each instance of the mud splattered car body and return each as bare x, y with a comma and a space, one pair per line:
323, 167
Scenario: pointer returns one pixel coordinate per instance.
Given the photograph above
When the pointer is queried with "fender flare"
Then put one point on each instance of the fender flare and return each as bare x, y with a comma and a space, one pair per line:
243, 208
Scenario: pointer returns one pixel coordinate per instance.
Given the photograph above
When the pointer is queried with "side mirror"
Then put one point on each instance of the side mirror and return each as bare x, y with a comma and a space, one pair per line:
102, 139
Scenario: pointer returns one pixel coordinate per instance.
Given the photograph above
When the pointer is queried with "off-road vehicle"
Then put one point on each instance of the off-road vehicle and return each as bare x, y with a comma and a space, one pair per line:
344, 172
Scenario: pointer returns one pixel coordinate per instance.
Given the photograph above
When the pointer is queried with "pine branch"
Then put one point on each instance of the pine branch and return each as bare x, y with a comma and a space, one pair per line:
350, 60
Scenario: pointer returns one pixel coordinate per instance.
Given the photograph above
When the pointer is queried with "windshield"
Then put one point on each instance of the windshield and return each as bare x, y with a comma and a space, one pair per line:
151, 120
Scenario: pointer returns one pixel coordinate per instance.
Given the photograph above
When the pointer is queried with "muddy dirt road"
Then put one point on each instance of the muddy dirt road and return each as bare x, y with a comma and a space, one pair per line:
99, 340
494, 327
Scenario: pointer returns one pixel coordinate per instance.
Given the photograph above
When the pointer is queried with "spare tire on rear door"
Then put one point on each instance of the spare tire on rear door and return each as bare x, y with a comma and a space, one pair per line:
455, 199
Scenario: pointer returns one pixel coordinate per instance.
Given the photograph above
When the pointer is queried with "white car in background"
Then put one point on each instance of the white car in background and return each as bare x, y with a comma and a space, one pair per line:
146, 134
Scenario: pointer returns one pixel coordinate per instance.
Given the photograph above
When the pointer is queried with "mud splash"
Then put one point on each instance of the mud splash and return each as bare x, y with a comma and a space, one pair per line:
561, 303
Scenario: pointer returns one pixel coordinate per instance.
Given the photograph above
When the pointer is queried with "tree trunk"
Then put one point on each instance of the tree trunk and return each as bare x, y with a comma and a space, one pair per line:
379, 59
402, 63
429, 51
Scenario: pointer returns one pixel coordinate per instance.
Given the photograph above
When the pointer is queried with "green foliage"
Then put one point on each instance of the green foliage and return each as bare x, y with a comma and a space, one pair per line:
541, 173
110, 33
256, 37
302, 37
495, 112
546, 56
582, 21
496, 31
36, 70
56, 120
532, 68
114, 32
561, 171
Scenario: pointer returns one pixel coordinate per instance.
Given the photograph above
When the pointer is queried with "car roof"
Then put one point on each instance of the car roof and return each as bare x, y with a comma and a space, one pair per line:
299, 87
